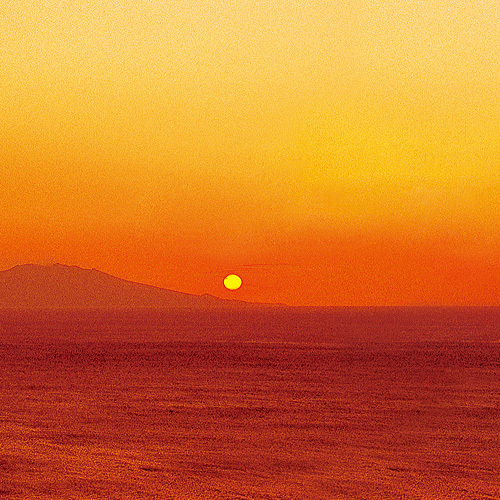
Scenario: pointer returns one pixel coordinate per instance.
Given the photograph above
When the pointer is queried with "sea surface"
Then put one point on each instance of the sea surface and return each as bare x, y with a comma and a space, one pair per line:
261, 404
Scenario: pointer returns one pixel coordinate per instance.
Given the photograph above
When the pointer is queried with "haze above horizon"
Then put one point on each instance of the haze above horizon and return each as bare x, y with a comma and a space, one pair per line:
327, 154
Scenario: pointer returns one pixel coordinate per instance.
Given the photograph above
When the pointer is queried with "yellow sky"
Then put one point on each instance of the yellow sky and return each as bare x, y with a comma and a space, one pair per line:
154, 138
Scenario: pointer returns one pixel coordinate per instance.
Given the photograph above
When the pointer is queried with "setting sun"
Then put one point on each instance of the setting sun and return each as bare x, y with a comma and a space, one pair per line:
232, 282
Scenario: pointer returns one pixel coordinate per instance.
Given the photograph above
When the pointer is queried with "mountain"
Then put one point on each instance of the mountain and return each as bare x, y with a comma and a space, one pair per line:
32, 286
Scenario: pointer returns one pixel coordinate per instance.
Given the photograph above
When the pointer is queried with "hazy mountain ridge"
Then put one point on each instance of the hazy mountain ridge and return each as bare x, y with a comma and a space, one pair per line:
33, 286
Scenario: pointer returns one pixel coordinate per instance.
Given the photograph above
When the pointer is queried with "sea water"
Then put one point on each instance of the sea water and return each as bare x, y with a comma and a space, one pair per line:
258, 404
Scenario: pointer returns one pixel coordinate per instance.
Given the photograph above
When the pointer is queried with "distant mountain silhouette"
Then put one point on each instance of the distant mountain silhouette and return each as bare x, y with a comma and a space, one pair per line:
57, 286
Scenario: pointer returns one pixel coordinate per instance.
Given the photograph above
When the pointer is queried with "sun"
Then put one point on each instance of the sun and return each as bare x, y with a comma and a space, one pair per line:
232, 282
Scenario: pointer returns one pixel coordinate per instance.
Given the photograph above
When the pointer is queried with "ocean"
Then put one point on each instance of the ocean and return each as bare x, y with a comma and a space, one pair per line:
261, 404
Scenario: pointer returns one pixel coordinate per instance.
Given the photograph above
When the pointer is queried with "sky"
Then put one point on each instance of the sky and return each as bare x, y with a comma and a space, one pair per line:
329, 153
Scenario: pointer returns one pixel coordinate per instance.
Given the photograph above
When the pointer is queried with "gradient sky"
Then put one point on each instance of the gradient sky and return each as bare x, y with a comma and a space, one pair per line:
330, 153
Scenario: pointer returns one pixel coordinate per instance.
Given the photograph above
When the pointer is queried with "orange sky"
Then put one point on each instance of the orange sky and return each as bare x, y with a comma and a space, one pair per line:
329, 153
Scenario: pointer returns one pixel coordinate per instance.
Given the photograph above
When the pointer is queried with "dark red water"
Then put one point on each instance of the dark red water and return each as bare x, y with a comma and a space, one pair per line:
150, 405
